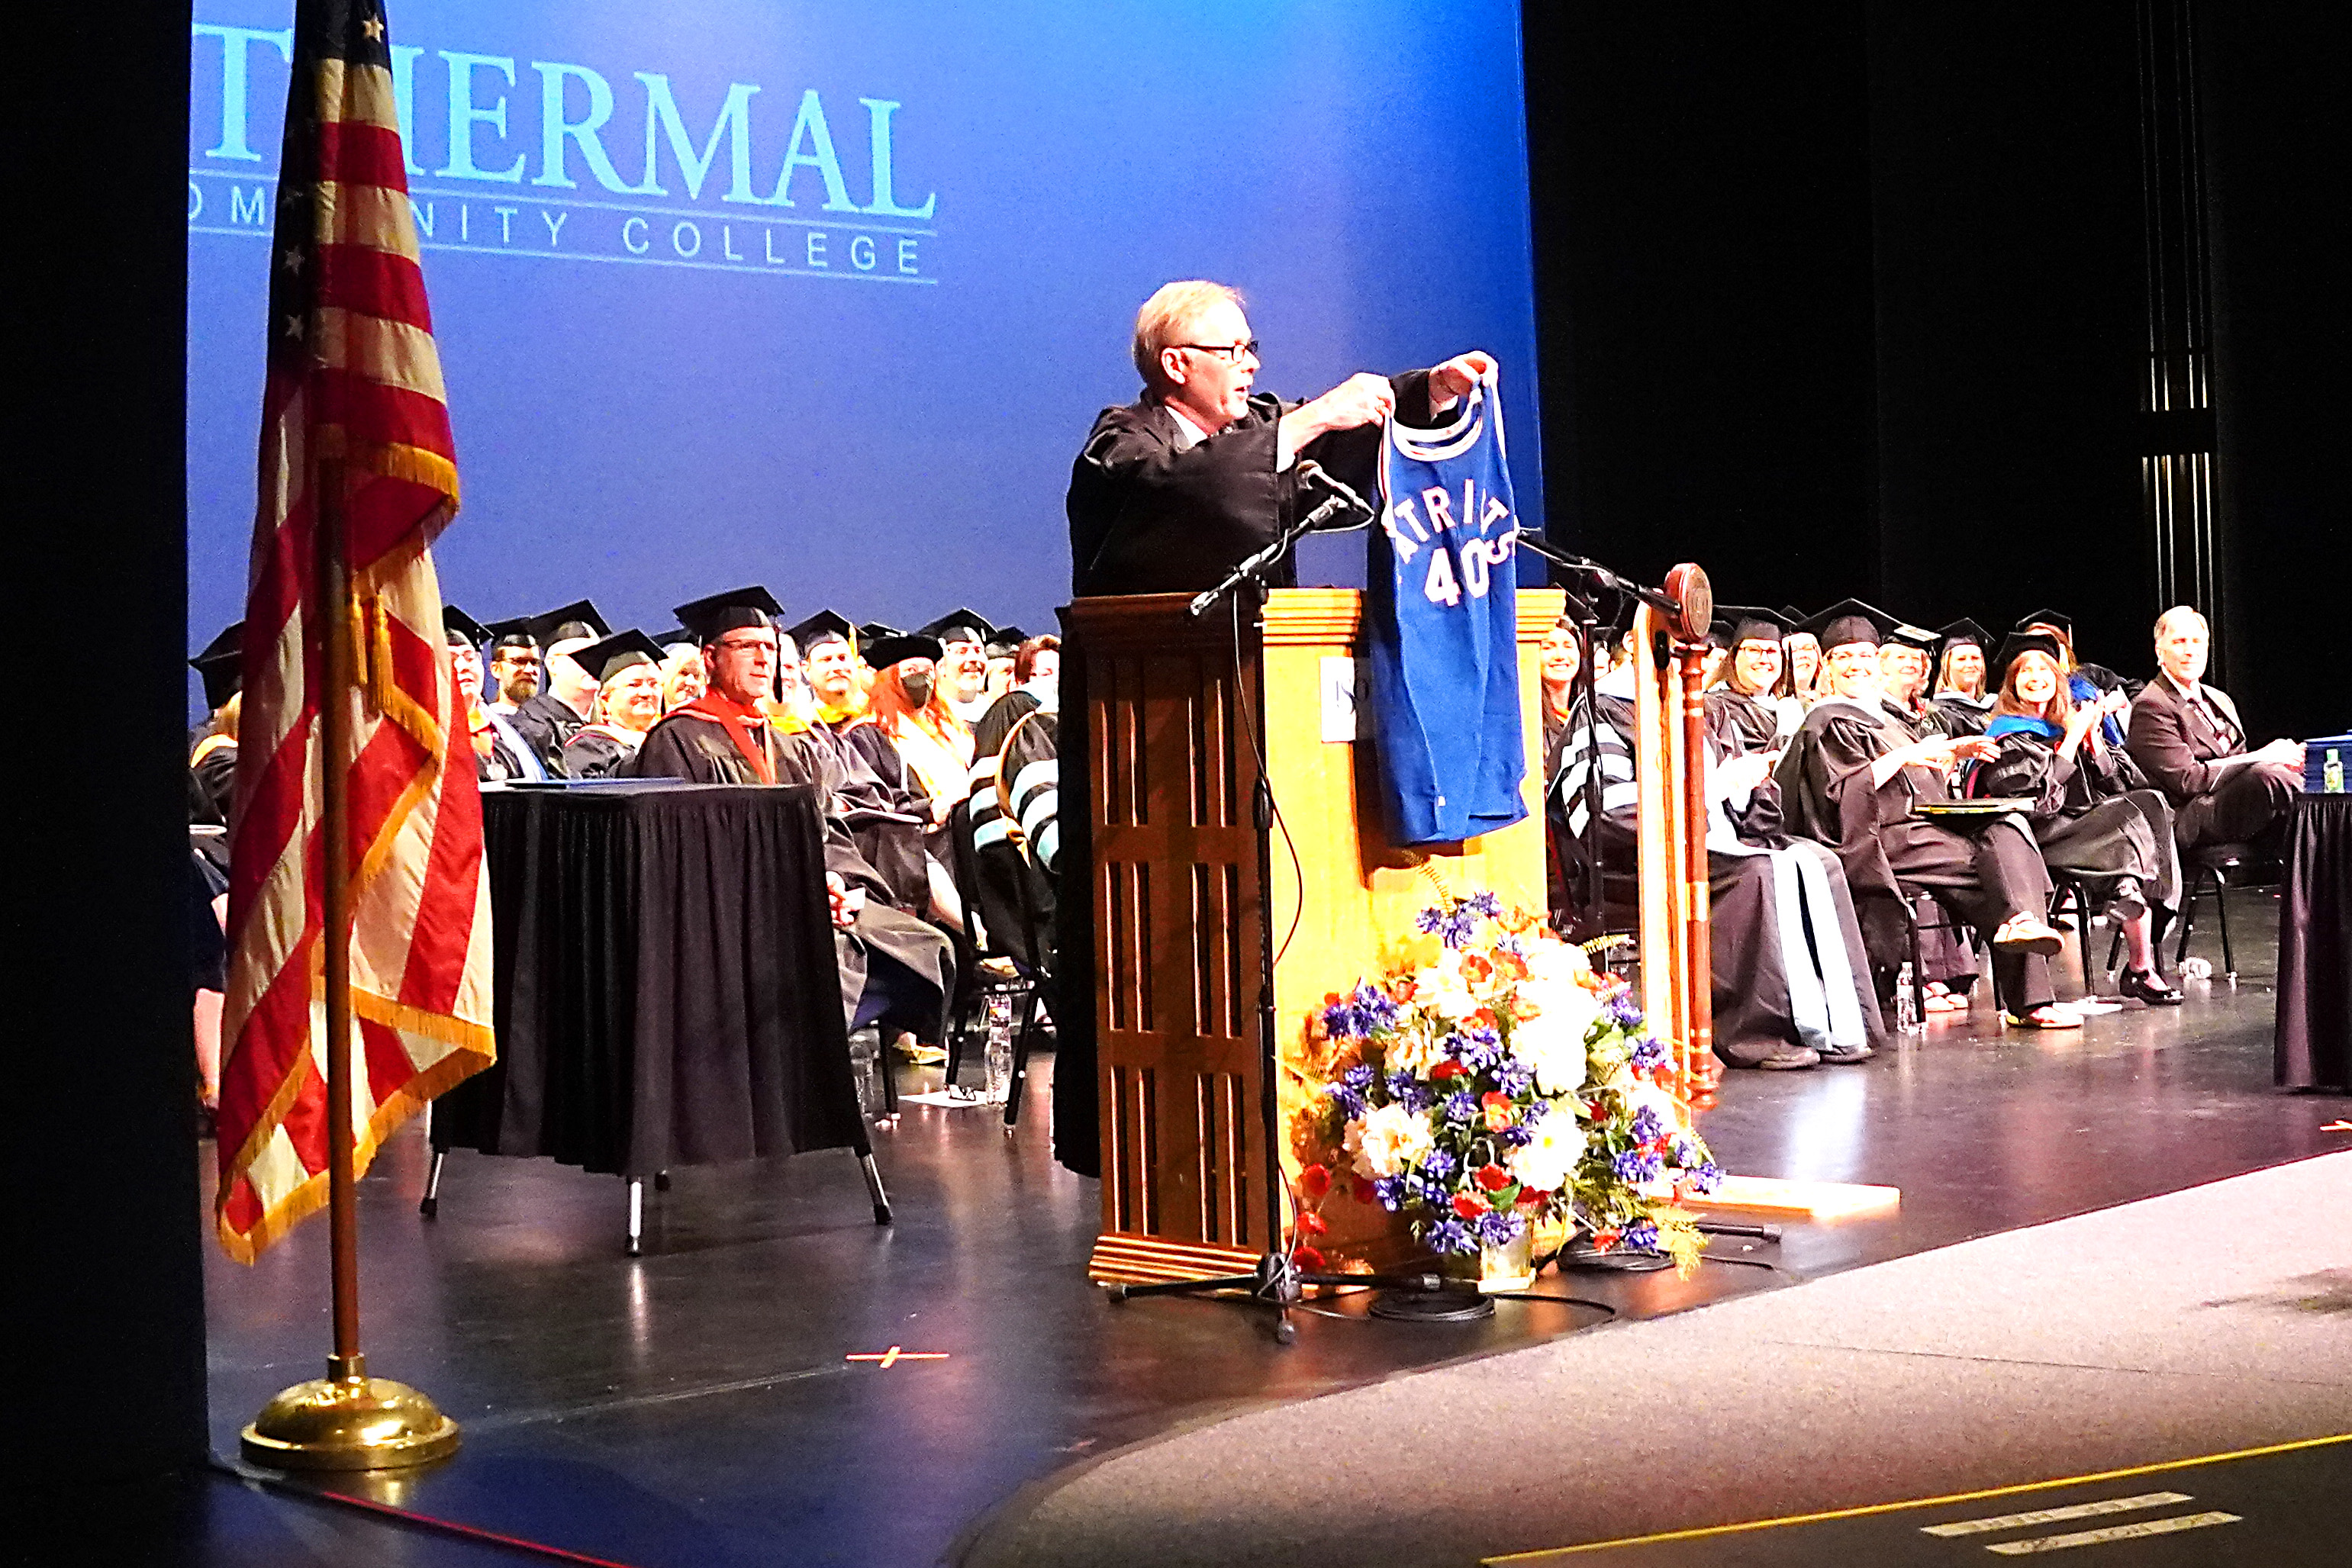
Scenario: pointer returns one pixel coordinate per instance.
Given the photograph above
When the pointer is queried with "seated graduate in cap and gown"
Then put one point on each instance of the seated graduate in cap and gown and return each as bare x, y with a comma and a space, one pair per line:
1907, 660
2093, 813
627, 667
1791, 983
1743, 717
1850, 778
895, 968
212, 752
499, 754
566, 699
1959, 695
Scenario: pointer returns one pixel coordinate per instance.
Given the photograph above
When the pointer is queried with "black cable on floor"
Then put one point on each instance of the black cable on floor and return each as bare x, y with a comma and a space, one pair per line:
261, 1477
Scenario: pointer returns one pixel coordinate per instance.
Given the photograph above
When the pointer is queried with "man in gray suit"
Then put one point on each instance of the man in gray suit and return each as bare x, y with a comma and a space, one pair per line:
2188, 738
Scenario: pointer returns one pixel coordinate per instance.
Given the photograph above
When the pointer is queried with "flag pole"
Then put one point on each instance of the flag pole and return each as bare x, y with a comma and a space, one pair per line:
347, 1420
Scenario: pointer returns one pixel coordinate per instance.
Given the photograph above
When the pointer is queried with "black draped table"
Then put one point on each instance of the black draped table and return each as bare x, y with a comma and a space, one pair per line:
666, 989
2315, 961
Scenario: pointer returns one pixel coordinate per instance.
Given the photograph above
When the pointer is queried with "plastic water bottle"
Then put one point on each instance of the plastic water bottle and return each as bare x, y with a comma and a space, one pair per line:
1907, 1000
1000, 1048
865, 1057
2331, 773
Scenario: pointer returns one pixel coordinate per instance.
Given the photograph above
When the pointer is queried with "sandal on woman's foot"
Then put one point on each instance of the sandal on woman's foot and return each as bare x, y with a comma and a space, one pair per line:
2026, 934
1946, 1003
2051, 1016
2151, 987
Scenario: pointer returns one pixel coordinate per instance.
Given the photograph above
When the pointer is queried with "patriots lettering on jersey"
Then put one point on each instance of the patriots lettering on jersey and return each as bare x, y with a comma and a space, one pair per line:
1465, 565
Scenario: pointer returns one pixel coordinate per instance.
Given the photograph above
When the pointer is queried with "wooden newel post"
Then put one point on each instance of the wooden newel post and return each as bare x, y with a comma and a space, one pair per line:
1701, 1073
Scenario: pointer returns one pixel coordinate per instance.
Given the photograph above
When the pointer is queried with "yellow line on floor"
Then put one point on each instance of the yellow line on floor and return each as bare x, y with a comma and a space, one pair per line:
1549, 1554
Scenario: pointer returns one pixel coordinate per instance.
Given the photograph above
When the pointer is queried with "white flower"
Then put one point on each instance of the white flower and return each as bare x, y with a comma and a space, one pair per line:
1550, 959
1563, 1003
1544, 1163
1555, 1051
1414, 1051
1388, 1139
1442, 987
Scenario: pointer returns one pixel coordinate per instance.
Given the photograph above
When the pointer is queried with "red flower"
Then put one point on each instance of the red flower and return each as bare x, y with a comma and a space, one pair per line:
1308, 1258
1475, 969
1530, 1198
1468, 1205
1497, 1107
1494, 1178
1449, 1068
1604, 1240
1313, 1224
1363, 1191
1315, 1181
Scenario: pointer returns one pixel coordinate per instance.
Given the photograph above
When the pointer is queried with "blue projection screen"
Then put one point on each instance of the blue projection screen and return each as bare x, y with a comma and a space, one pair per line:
826, 296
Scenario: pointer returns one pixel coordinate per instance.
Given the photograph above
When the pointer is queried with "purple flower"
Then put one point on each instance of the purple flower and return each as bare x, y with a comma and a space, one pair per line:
1451, 926
1390, 1190
1516, 1137
1375, 1006
1649, 1051
1399, 1084
1483, 902
1420, 1097
1641, 1235
1705, 1177
1623, 1011
1475, 1049
1534, 1111
1462, 1105
1437, 1165
1636, 1167
1648, 1126
1360, 1078
1352, 1105
1451, 1235
1516, 1077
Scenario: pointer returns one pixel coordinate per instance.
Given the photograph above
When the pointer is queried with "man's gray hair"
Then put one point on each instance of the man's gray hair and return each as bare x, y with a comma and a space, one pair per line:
2191, 612
1166, 317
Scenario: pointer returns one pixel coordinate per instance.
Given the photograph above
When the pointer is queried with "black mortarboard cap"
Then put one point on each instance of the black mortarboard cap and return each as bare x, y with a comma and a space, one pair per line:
1966, 630
960, 625
676, 637
884, 652
1903, 635
1007, 642
1848, 621
512, 632
1752, 624
816, 628
2019, 644
617, 653
1791, 615
461, 628
2058, 618
874, 632
718, 613
577, 619
222, 664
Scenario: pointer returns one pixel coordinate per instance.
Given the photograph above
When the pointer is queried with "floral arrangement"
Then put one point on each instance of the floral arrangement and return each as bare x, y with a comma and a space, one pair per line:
1501, 1087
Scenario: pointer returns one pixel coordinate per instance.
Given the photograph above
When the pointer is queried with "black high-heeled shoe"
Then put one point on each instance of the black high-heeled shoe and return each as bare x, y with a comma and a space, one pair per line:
2149, 986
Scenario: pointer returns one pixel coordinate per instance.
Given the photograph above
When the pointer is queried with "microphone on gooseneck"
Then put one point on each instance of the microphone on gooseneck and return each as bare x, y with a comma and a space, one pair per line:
1311, 470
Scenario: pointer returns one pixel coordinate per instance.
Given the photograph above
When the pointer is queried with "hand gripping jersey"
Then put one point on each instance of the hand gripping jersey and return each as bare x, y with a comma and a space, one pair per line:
1442, 623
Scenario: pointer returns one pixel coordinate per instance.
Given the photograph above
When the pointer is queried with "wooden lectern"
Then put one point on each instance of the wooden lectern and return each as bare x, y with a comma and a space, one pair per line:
1184, 878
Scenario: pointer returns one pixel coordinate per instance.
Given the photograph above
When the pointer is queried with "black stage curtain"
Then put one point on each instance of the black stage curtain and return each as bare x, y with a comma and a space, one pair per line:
666, 992
2315, 966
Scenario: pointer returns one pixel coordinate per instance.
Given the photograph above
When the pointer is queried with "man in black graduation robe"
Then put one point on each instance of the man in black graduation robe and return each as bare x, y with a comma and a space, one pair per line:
1850, 779
1168, 495
894, 968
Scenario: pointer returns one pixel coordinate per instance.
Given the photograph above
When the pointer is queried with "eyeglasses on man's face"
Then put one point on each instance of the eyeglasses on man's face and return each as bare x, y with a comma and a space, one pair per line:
1230, 352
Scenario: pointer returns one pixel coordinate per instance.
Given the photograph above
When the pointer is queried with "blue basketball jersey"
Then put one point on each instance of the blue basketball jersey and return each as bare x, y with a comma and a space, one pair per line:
1442, 616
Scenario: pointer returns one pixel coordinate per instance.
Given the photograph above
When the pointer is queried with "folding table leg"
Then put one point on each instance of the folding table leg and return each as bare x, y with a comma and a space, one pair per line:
661, 1181
874, 1186
636, 1216
1020, 1062
431, 1206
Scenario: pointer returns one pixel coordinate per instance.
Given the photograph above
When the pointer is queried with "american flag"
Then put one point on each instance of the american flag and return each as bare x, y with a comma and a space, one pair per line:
353, 399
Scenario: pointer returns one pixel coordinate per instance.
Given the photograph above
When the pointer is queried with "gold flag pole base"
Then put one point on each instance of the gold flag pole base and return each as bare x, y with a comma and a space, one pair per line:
349, 1421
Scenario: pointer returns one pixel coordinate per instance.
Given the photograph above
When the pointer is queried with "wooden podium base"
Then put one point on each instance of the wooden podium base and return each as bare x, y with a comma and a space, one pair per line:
1128, 1259
1828, 1201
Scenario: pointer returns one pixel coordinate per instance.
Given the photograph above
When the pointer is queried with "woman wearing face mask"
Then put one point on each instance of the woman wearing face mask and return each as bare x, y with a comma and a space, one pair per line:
906, 706
2092, 815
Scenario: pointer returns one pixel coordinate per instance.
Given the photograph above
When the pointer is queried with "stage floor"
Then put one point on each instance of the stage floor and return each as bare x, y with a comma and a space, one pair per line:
696, 1405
